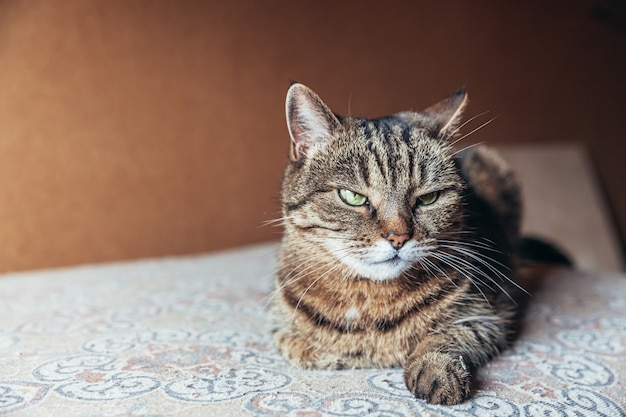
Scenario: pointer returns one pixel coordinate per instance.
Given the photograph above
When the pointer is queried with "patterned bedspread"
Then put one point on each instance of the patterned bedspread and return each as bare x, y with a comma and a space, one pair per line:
189, 337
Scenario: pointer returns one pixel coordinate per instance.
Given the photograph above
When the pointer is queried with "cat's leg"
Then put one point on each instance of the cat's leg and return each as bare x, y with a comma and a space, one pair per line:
301, 352
440, 369
437, 377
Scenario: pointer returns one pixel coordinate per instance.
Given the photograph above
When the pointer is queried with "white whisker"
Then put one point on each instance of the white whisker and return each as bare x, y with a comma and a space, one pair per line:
473, 145
474, 131
442, 257
280, 221
466, 122
485, 260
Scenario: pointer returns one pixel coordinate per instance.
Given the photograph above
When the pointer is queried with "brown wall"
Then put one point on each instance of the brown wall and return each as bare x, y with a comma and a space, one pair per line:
145, 128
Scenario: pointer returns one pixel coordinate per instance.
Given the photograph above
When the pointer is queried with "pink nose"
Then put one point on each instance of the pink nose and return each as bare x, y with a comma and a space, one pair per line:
397, 239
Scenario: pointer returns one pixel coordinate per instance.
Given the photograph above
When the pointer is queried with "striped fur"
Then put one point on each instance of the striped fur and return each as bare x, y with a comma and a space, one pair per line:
395, 282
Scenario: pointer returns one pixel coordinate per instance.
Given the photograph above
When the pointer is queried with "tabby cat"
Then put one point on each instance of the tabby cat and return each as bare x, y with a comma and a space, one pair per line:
397, 250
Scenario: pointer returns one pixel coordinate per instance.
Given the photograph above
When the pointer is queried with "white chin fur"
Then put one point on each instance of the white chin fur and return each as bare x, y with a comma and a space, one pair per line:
381, 262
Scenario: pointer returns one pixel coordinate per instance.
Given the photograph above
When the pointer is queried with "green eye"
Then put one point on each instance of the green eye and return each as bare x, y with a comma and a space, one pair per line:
428, 198
351, 198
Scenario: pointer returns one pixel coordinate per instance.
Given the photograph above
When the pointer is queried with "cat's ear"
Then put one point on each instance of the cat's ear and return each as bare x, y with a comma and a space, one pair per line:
445, 116
311, 123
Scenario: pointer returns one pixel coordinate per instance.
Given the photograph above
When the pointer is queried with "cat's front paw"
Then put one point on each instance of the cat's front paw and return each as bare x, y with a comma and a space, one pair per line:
301, 353
438, 378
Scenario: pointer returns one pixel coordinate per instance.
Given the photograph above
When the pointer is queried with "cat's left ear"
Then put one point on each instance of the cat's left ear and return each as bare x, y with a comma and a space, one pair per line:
445, 116
311, 123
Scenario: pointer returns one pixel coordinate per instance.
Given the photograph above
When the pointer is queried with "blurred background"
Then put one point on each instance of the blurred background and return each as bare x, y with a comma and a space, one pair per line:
133, 129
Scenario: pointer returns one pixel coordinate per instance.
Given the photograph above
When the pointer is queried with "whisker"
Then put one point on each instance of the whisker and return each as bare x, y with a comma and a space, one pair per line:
288, 280
466, 122
319, 262
315, 281
280, 221
484, 260
441, 257
474, 131
430, 263
473, 268
473, 145
478, 245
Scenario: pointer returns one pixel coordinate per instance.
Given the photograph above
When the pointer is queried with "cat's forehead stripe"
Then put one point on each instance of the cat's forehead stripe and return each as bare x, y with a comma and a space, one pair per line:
364, 171
390, 148
367, 128
385, 131
407, 135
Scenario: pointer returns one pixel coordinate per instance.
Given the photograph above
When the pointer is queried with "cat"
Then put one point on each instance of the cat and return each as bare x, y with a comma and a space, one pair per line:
397, 250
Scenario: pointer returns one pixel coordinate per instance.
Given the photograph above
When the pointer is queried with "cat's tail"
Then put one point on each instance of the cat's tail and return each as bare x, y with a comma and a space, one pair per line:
539, 251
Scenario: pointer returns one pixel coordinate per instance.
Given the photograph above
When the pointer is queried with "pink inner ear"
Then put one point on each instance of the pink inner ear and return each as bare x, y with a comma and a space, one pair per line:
300, 138
298, 150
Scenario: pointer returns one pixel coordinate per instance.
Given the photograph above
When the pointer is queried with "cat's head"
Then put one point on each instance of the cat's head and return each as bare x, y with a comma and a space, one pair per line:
374, 194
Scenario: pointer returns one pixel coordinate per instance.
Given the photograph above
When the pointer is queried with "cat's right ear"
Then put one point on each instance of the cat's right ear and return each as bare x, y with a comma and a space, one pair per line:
311, 123
445, 116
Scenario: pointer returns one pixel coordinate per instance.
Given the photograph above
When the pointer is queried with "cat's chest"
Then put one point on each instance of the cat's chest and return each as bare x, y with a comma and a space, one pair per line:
367, 305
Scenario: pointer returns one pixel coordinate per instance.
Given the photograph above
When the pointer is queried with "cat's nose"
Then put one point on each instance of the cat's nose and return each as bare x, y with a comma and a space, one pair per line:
397, 239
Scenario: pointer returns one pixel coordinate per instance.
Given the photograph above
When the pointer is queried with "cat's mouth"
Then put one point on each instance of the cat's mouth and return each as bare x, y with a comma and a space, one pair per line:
381, 262
384, 269
392, 260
